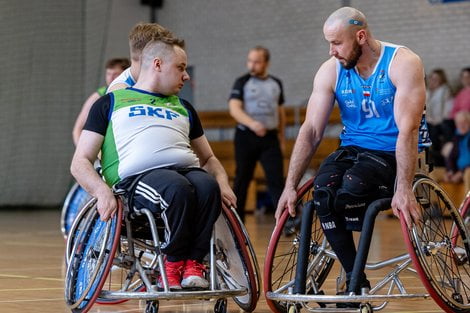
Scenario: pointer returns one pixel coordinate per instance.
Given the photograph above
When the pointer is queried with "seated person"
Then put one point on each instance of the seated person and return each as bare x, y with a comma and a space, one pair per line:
458, 160
380, 91
147, 130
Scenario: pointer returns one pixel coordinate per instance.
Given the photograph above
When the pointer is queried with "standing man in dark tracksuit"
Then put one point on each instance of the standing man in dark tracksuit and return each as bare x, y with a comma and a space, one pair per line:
256, 103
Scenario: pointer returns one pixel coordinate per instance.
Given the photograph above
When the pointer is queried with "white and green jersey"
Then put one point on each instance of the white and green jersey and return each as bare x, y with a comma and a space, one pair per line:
143, 131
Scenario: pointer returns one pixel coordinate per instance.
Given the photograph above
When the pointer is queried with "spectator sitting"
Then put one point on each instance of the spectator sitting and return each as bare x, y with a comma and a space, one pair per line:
438, 98
462, 99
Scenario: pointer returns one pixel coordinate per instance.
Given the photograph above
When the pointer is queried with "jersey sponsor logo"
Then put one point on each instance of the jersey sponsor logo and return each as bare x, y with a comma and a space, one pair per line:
382, 76
347, 91
350, 104
388, 100
384, 91
140, 110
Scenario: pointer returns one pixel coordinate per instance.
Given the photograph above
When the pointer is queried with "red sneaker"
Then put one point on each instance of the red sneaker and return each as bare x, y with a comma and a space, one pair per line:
193, 275
173, 270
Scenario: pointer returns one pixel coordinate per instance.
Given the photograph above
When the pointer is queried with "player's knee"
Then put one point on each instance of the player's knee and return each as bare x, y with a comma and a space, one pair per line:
352, 202
323, 199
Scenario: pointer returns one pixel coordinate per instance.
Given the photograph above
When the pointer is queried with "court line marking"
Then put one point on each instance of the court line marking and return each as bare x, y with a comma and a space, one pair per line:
31, 277
31, 289
31, 300
33, 244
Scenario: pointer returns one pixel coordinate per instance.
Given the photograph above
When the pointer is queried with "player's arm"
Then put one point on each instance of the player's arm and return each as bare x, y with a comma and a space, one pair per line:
239, 114
82, 116
319, 108
237, 111
212, 165
87, 150
407, 74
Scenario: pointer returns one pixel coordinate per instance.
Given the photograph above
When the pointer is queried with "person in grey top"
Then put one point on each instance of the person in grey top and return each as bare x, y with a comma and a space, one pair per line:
256, 103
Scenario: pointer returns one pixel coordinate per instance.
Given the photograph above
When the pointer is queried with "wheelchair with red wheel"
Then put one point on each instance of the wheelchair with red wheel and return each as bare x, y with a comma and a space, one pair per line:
298, 264
118, 260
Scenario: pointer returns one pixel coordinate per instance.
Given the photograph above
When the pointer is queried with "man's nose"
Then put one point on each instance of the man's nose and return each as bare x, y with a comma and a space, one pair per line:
333, 52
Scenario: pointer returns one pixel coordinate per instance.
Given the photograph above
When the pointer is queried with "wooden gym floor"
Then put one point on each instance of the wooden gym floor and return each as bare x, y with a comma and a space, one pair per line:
32, 266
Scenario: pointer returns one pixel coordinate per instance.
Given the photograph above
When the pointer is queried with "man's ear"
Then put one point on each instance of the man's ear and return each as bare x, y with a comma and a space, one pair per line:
157, 64
361, 36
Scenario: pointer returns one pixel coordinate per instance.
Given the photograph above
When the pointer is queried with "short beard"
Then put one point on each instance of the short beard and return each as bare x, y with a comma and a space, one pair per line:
356, 54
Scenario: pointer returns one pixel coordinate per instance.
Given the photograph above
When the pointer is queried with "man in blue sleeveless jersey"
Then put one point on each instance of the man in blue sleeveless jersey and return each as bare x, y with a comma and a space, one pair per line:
147, 133
380, 90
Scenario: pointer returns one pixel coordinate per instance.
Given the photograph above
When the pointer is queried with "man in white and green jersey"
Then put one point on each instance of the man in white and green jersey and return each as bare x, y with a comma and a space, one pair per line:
148, 131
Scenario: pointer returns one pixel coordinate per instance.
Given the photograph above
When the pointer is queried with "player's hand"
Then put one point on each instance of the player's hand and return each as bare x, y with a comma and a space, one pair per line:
404, 201
287, 200
228, 196
106, 203
258, 128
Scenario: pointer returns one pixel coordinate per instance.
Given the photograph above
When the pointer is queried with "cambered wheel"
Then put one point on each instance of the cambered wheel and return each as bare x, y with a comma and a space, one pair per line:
440, 247
233, 260
281, 259
75, 200
91, 259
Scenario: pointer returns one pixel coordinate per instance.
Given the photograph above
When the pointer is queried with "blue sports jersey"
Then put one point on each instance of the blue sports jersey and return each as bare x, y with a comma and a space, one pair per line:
366, 105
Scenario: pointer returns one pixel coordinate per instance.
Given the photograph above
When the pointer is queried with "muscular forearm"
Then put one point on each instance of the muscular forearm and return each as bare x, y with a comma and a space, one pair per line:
304, 148
406, 155
87, 177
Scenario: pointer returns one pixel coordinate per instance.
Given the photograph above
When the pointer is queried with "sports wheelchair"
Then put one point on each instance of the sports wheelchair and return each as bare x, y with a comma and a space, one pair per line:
114, 261
297, 266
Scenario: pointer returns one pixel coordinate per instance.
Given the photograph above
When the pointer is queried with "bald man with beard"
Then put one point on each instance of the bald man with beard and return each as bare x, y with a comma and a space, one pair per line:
380, 90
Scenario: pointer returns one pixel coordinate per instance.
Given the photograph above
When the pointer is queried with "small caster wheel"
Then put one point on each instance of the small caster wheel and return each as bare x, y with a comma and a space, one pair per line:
152, 307
292, 308
365, 308
220, 306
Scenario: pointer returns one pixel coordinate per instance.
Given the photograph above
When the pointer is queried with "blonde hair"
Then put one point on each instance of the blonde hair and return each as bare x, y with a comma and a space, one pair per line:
142, 33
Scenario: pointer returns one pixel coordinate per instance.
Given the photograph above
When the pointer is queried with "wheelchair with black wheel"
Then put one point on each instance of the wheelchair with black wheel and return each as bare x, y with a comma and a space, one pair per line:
118, 260
297, 266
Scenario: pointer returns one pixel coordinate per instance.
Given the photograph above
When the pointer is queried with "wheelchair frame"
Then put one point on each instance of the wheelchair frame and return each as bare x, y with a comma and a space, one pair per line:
289, 297
219, 287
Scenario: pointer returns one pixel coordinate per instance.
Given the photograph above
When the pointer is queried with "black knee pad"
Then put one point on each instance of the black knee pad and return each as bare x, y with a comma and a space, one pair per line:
323, 199
352, 206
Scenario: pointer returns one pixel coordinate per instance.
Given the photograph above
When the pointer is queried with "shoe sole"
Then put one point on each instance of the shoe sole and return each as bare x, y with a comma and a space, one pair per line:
195, 283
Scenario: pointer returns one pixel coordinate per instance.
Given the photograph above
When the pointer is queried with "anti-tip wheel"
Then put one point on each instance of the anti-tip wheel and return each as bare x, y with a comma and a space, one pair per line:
152, 307
220, 306
366, 308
